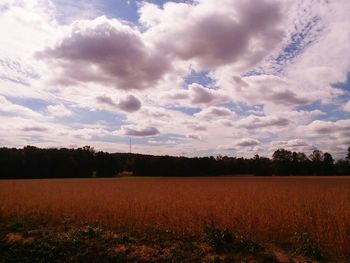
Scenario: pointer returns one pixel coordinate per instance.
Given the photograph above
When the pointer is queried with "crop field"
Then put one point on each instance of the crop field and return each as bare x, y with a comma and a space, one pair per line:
270, 210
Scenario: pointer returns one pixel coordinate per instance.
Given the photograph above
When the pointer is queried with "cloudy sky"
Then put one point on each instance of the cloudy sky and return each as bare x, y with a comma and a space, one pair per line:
194, 78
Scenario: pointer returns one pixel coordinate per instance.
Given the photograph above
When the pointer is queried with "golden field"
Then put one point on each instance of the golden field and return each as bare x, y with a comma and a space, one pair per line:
265, 209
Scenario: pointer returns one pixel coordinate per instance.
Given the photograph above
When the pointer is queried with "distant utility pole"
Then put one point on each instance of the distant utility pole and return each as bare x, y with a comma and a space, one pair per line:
130, 145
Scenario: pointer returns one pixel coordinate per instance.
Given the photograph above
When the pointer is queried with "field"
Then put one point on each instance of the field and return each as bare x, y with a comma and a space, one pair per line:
274, 211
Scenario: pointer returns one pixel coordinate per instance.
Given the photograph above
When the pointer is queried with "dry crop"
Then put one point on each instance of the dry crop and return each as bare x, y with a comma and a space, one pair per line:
265, 209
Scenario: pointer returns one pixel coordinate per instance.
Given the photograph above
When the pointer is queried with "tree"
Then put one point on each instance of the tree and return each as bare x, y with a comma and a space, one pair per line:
300, 164
282, 160
328, 164
348, 155
316, 158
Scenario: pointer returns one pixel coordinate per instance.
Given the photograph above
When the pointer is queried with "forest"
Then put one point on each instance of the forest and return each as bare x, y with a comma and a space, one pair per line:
32, 162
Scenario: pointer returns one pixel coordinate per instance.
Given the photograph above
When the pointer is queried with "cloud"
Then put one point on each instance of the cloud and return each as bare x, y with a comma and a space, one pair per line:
319, 127
346, 106
9, 107
213, 112
34, 129
273, 92
255, 122
216, 35
129, 104
335, 131
106, 100
131, 130
59, 110
197, 127
194, 137
247, 142
196, 94
297, 145
255, 70
105, 51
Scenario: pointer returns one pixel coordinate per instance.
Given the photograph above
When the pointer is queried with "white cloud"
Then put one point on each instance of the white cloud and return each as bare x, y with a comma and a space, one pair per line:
212, 35
59, 110
255, 122
8, 107
346, 106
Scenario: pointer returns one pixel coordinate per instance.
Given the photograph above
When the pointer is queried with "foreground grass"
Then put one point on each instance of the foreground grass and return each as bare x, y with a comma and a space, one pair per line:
35, 240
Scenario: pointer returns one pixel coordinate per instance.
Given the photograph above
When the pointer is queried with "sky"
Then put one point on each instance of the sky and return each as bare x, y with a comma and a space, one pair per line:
192, 78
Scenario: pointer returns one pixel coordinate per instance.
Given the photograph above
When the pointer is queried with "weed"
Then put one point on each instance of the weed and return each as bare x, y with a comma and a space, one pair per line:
224, 240
306, 246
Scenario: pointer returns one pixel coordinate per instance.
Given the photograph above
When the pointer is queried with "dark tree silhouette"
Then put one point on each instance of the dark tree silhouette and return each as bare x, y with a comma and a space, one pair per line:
282, 161
33, 162
328, 164
316, 158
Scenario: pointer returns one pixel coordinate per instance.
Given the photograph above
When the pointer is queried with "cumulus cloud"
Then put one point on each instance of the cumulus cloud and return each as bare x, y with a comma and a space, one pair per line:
327, 132
105, 51
273, 92
293, 145
130, 103
212, 113
247, 142
196, 126
106, 100
131, 130
232, 32
196, 94
255, 122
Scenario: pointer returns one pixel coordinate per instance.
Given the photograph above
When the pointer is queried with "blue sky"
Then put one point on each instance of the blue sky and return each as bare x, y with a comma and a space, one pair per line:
237, 78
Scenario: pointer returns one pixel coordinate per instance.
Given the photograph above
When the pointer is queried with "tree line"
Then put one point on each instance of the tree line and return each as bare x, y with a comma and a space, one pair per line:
32, 162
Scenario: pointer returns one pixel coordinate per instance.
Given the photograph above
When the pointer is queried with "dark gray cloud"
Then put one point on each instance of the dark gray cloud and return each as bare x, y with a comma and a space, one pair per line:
246, 142
106, 100
107, 52
130, 104
140, 132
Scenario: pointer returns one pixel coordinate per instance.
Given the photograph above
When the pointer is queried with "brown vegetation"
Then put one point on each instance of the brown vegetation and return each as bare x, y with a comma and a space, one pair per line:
270, 210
